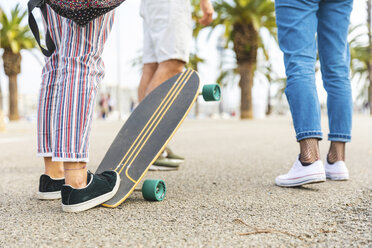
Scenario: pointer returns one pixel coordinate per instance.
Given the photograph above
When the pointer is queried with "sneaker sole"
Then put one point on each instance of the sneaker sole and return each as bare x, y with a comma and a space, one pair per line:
93, 202
48, 195
340, 177
302, 181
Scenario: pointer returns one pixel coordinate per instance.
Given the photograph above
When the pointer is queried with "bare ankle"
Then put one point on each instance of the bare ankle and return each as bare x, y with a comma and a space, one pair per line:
75, 174
53, 169
76, 182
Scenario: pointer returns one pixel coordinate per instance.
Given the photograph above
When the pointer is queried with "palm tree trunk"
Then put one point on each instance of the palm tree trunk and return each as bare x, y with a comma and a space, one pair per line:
12, 67
246, 83
13, 98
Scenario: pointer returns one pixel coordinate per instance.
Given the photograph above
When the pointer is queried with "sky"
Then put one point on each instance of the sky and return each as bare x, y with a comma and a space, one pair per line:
125, 44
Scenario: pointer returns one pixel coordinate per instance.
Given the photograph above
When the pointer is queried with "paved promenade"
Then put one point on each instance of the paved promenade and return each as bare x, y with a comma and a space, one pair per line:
222, 196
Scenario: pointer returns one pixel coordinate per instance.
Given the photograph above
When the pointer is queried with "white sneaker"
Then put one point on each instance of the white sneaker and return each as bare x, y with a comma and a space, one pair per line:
299, 174
336, 171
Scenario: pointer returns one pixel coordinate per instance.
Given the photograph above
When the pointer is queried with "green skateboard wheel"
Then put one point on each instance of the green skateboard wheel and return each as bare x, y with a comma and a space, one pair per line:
153, 190
211, 92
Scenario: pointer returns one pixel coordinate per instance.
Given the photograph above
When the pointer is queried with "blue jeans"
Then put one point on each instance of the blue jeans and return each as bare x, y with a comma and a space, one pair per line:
302, 25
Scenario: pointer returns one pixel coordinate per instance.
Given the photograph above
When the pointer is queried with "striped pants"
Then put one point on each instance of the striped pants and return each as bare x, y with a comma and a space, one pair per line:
70, 79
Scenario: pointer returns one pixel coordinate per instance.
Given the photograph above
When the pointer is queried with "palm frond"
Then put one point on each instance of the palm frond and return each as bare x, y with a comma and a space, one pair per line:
13, 34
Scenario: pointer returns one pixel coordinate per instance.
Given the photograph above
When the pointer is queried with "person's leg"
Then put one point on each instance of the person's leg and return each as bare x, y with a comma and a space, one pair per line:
165, 70
47, 101
75, 174
51, 181
159, 73
150, 62
81, 70
336, 152
297, 25
148, 72
53, 169
334, 19
167, 38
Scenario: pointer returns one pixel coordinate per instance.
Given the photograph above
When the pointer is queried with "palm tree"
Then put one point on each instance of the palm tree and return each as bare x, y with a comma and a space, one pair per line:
244, 21
14, 37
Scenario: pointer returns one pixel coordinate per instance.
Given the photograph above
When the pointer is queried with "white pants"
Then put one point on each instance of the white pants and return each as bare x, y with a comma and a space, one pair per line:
167, 30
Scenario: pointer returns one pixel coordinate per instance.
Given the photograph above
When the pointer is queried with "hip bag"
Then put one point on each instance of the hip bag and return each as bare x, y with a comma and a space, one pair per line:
80, 11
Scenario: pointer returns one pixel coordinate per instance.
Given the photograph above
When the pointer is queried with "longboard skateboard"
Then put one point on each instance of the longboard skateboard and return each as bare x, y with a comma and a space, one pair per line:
148, 130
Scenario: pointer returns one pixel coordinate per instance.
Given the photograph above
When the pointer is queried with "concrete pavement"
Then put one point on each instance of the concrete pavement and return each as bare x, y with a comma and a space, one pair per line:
224, 189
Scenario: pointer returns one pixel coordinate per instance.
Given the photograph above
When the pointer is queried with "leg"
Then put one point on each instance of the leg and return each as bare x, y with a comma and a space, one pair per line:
165, 70
334, 17
167, 38
53, 169
336, 152
309, 151
81, 71
47, 101
150, 62
148, 72
297, 25
335, 166
297, 21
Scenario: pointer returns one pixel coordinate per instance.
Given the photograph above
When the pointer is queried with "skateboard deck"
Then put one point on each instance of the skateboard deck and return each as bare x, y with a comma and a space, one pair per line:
148, 130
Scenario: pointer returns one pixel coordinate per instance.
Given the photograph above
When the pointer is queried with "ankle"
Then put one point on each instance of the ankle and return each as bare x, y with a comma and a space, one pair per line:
307, 160
334, 159
309, 151
53, 169
75, 174
55, 174
76, 181
336, 152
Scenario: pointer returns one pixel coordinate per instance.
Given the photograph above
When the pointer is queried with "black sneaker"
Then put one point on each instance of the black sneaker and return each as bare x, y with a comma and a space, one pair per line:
50, 188
100, 188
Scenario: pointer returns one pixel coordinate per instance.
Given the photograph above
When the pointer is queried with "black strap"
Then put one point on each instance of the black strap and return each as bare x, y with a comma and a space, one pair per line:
32, 4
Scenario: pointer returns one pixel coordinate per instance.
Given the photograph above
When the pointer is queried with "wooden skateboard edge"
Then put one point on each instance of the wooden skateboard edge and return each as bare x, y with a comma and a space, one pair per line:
160, 151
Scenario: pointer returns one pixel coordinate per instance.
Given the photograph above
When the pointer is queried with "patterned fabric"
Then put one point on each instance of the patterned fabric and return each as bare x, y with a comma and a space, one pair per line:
70, 79
85, 4
83, 11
